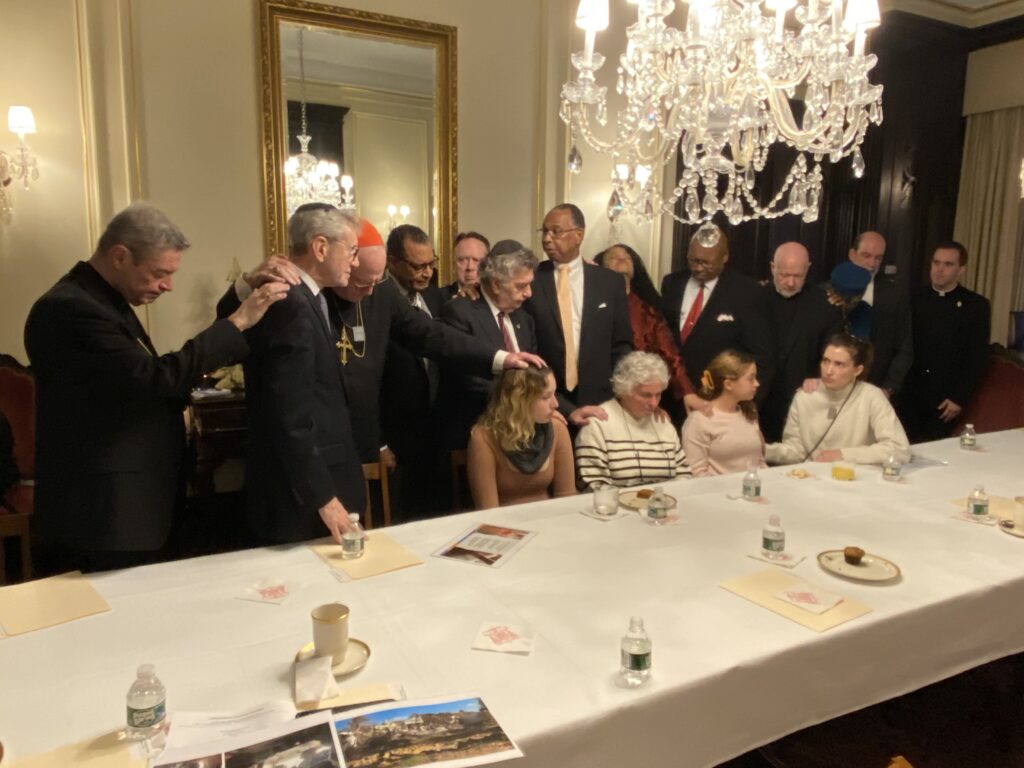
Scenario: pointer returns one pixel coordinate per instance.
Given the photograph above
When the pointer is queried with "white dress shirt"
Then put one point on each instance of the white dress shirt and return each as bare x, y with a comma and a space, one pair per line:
690, 296
507, 322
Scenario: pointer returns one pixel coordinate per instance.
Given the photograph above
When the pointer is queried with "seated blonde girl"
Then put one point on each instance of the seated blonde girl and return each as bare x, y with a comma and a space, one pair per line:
729, 440
518, 451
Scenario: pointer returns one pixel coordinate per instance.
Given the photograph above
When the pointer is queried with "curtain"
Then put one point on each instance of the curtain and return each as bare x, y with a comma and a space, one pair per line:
988, 212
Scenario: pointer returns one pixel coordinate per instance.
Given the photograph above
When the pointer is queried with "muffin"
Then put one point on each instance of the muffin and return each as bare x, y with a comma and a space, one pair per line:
853, 555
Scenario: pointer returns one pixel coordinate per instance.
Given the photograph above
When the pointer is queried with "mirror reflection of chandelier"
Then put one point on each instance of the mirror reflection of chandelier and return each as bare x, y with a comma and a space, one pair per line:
308, 180
721, 93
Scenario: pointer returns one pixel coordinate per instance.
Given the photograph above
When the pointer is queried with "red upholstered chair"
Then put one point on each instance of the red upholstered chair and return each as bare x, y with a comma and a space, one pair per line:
18, 403
998, 402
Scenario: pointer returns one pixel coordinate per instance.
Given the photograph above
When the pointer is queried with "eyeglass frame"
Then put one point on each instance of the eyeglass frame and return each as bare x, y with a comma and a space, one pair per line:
557, 233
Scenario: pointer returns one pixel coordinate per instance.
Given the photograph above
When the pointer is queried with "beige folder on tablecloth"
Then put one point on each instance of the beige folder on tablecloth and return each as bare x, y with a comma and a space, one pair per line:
382, 554
761, 588
48, 602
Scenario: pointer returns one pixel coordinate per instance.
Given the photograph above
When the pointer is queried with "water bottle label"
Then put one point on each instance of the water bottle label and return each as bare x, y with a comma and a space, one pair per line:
773, 543
636, 662
979, 508
891, 471
657, 512
968, 441
148, 717
752, 490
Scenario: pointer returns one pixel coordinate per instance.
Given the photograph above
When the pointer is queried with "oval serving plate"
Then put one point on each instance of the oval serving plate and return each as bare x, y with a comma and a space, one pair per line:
872, 568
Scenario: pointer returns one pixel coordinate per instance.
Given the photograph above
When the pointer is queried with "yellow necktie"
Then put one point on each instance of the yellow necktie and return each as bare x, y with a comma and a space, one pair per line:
565, 313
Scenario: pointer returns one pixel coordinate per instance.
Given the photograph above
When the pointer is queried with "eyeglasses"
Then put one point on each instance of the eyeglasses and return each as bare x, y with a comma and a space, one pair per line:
557, 233
426, 266
374, 284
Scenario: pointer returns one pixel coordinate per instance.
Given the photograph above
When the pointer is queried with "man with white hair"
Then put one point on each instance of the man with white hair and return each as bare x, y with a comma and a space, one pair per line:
110, 438
303, 473
804, 319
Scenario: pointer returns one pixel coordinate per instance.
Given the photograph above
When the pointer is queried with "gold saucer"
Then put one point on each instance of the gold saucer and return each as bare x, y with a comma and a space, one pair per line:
356, 656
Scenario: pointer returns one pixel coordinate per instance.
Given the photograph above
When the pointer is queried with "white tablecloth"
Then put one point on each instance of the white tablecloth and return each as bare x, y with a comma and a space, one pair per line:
728, 675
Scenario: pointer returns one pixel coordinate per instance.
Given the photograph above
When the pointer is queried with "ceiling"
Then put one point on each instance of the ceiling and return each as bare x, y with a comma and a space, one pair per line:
964, 13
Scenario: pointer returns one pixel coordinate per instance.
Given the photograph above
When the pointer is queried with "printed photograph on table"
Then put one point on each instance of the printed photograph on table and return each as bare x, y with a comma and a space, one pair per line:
311, 747
488, 545
451, 732
210, 761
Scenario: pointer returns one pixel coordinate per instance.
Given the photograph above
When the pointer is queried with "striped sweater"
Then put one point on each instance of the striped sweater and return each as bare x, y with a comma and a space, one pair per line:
625, 451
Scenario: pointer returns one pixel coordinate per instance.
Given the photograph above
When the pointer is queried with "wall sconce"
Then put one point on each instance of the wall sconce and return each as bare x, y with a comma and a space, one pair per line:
348, 197
22, 165
394, 211
1022, 179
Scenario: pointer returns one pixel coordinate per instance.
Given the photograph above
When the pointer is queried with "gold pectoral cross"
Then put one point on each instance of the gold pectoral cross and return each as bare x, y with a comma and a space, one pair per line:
345, 346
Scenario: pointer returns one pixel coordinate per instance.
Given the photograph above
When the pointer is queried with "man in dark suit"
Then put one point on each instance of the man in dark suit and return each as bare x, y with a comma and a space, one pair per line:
303, 474
109, 430
470, 249
951, 336
506, 274
581, 318
804, 320
889, 317
710, 309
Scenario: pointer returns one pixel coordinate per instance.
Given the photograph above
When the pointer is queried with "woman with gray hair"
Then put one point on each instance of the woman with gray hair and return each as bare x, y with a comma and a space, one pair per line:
631, 447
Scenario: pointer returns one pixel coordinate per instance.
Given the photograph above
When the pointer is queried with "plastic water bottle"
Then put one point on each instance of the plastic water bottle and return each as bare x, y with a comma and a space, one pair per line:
751, 484
969, 438
892, 469
147, 704
636, 654
773, 539
353, 543
977, 502
657, 507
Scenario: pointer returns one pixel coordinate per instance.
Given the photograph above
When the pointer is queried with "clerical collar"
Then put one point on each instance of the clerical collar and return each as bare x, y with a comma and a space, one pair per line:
944, 293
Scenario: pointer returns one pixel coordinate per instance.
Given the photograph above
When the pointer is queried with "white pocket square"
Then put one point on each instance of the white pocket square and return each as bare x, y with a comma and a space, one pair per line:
726, 318
602, 305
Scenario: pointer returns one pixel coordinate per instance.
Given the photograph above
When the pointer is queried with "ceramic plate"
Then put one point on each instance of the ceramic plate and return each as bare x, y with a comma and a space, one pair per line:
871, 568
1007, 526
356, 656
633, 501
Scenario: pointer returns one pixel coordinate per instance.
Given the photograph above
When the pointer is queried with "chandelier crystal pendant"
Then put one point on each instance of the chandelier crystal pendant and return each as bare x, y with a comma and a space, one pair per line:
721, 93
308, 180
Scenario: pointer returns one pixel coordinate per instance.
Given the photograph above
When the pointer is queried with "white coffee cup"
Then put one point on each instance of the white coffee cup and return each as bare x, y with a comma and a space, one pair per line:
606, 500
330, 631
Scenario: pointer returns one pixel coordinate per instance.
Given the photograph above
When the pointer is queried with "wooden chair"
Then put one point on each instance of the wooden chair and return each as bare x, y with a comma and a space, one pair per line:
18, 403
376, 471
459, 460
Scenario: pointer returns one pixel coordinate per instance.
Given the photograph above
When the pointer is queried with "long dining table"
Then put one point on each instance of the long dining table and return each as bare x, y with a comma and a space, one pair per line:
727, 675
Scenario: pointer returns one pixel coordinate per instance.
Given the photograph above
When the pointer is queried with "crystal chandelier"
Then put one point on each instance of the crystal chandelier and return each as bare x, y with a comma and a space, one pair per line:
308, 180
722, 92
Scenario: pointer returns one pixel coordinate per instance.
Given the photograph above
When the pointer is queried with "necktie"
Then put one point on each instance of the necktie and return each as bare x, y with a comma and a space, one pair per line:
506, 337
692, 315
565, 314
326, 313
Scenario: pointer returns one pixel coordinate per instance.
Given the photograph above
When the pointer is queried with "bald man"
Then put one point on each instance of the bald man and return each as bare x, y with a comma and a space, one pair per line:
804, 320
890, 317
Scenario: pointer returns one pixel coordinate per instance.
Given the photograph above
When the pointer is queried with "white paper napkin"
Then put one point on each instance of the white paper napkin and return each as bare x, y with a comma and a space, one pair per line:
314, 680
504, 638
620, 512
788, 559
809, 597
271, 590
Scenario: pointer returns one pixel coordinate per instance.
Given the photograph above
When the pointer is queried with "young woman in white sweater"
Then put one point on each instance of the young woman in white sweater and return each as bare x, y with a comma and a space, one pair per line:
845, 418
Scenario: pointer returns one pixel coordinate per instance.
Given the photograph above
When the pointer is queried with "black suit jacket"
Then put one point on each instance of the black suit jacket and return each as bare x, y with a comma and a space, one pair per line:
109, 426
301, 451
397, 331
892, 335
736, 316
804, 323
464, 393
605, 332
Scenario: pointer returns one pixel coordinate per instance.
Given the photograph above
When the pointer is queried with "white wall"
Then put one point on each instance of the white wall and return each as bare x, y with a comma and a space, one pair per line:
49, 228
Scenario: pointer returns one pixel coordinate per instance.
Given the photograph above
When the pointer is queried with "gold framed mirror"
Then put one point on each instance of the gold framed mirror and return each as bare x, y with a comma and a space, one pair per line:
376, 95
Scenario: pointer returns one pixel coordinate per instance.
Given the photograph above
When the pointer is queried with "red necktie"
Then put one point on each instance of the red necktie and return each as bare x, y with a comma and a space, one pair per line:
692, 315
505, 335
